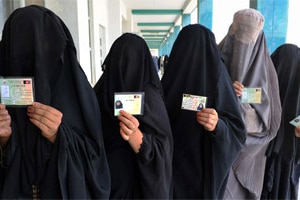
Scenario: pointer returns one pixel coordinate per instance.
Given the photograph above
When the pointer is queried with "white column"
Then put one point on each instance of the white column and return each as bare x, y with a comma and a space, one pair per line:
293, 31
74, 13
114, 21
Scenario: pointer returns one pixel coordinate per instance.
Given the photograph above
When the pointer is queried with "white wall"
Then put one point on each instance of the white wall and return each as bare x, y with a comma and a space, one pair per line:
223, 12
127, 25
84, 36
114, 26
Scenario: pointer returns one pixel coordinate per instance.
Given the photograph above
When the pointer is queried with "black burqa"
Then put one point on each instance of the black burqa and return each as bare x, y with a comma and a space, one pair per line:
283, 162
201, 159
129, 68
36, 43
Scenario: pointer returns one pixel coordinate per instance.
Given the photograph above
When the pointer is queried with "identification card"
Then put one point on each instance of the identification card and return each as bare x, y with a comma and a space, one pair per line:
296, 122
17, 91
132, 102
193, 102
251, 95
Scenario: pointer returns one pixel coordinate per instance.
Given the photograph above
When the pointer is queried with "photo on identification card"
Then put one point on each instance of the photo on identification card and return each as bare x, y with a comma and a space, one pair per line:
296, 122
251, 95
132, 102
17, 91
193, 102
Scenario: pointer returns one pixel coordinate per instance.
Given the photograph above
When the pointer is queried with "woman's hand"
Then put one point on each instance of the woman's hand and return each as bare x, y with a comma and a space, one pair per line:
297, 131
5, 128
208, 118
238, 88
129, 130
46, 118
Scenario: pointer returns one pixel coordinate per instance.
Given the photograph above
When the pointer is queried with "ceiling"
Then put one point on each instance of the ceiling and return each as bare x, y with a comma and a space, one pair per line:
154, 19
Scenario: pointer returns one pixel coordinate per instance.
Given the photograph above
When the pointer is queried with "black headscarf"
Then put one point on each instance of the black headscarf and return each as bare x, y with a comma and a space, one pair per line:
36, 43
201, 159
129, 68
283, 163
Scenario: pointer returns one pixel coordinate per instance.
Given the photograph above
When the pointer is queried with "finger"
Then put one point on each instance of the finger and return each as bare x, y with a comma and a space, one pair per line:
45, 125
238, 84
297, 132
128, 119
211, 125
206, 121
40, 111
126, 129
44, 119
5, 118
208, 112
4, 115
3, 111
238, 92
4, 130
208, 126
208, 118
5, 122
2, 107
238, 87
40, 123
126, 122
124, 135
45, 109
125, 114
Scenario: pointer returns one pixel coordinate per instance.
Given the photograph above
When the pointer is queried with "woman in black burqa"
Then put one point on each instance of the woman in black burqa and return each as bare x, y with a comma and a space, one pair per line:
139, 148
283, 155
69, 162
205, 142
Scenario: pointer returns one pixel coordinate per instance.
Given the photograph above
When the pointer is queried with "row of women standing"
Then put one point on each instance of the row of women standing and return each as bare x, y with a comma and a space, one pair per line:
69, 144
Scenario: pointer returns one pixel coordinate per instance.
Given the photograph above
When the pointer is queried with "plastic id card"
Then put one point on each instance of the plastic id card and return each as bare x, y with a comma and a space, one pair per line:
251, 95
296, 122
131, 102
16, 91
193, 102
